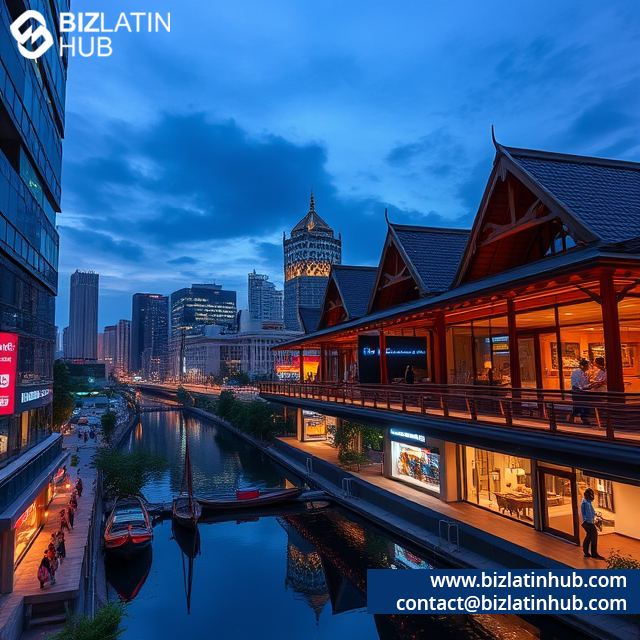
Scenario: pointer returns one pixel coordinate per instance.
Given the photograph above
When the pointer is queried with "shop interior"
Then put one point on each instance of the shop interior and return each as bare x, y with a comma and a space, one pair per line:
416, 465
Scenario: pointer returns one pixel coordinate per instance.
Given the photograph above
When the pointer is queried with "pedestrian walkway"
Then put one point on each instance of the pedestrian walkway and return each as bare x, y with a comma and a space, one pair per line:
69, 577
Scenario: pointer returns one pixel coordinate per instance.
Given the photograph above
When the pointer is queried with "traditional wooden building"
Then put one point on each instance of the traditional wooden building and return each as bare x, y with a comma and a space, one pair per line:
493, 324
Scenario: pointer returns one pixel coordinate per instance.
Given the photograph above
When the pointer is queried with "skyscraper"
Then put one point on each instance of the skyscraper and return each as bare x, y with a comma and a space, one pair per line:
201, 305
308, 256
109, 354
265, 301
83, 316
149, 335
123, 347
32, 94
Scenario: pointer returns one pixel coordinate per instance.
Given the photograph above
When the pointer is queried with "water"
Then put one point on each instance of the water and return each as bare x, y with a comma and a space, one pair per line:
299, 574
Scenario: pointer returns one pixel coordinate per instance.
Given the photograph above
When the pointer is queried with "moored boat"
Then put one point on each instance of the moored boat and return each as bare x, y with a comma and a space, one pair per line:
186, 509
128, 531
250, 498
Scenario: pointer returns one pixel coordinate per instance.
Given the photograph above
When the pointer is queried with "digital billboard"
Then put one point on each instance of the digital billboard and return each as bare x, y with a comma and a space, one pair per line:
8, 368
401, 351
369, 359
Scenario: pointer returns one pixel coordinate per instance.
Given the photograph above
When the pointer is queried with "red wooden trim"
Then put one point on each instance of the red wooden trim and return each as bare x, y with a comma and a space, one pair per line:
611, 326
440, 354
514, 355
384, 373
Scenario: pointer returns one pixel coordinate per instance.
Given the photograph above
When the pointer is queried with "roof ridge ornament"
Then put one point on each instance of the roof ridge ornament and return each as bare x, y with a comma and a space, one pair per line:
312, 203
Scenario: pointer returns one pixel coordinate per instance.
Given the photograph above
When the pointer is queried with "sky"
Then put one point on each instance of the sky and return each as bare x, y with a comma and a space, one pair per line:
188, 154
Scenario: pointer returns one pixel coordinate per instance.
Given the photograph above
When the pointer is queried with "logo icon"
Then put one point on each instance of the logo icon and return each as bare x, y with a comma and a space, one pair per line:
4, 380
29, 34
4, 401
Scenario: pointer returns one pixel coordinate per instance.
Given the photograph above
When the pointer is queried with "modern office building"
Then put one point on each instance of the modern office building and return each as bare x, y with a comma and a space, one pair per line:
109, 355
31, 128
123, 347
83, 317
494, 322
149, 335
308, 255
265, 301
202, 304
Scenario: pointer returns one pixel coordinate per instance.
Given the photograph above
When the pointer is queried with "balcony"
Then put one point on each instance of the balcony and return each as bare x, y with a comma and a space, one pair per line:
611, 417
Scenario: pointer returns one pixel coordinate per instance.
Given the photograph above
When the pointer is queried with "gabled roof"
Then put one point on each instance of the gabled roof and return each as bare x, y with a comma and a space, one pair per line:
434, 253
309, 318
312, 221
604, 195
355, 285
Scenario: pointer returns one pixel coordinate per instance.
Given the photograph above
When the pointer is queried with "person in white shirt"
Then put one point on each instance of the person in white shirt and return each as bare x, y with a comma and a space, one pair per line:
579, 383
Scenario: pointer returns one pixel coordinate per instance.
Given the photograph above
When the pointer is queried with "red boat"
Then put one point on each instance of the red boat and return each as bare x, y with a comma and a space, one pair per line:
250, 498
186, 509
128, 531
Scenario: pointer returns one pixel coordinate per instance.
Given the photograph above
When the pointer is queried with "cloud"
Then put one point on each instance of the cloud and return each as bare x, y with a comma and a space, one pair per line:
88, 240
183, 260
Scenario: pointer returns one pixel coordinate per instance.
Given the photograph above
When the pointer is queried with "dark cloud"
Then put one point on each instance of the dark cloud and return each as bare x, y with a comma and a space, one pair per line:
183, 260
96, 241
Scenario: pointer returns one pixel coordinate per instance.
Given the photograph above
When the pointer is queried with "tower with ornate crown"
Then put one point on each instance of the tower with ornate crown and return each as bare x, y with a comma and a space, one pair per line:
308, 256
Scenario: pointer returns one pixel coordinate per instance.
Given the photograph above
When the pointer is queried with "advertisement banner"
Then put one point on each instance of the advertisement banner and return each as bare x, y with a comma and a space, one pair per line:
8, 368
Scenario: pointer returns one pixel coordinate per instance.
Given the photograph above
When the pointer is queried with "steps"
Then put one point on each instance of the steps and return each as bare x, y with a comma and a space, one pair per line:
45, 613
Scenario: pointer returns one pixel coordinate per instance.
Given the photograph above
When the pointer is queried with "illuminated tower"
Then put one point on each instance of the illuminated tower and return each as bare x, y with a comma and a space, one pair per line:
308, 256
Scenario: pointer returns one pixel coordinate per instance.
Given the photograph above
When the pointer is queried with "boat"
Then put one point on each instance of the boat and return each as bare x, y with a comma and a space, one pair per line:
128, 531
128, 577
250, 498
186, 509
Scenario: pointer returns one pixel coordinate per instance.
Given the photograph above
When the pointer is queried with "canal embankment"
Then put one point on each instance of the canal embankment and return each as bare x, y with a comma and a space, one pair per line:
438, 532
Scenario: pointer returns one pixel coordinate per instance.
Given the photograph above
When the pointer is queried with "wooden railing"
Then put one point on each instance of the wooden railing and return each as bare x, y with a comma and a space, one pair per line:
606, 416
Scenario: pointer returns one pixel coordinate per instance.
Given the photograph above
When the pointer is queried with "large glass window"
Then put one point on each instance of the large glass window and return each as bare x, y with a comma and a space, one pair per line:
499, 482
629, 314
416, 465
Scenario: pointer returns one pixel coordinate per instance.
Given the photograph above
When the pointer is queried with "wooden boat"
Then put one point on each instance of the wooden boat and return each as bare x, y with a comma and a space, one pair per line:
250, 499
128, 531
127, 578
186, 509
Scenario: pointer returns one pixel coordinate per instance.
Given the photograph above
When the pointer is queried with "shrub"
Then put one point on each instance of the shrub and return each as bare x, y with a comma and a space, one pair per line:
75, 459
348, 457
108, 422
227, 402
104, 626
124, 473
617, 561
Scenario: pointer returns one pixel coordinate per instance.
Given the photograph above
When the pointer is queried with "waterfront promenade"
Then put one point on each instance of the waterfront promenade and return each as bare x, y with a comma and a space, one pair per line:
70, 577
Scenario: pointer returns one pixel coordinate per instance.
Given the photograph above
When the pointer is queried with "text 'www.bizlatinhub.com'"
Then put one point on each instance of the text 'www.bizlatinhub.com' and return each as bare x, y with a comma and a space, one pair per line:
470, 591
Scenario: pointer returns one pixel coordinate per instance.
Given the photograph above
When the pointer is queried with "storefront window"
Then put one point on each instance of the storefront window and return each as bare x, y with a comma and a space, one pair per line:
460, 354
629, 314
27, 526
416, 465
316, 424
499, 482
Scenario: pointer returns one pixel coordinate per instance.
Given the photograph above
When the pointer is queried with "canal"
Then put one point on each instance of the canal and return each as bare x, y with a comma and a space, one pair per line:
294, 572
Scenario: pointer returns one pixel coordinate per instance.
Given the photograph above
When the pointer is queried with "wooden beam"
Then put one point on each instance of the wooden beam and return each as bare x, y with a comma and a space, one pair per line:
611, 326
514, 356
440, 355
527, 221
382, 341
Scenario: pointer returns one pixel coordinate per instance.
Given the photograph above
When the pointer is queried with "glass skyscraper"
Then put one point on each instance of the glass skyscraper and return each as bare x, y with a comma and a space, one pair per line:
83, 317
308, 256
32, 97
201, 305
149, 335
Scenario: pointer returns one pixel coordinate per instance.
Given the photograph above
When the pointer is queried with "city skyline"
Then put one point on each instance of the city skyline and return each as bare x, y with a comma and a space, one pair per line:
402, 121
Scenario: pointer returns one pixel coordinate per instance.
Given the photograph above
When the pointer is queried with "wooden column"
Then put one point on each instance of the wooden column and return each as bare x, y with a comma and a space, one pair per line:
301, 365
323, 365
611, 326
514, 356
440, 367
559, 346
382, 340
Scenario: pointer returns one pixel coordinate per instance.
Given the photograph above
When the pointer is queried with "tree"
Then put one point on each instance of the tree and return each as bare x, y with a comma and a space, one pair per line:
63, 400
108, 422
124, 473
183, 396
226, 404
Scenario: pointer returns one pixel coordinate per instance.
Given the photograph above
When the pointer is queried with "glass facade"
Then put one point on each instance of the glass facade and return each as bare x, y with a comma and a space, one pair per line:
202, 305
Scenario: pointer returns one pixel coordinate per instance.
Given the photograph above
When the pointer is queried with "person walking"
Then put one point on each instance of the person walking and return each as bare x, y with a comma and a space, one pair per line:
79, 485
61, 549
53, 565
579, 384
588, 524
43, 570
64, 524
409, 376
71, 514
73, 500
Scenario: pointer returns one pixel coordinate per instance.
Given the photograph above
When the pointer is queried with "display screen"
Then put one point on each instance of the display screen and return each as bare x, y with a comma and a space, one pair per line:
417, 465
401, 351
369, 359
8, 367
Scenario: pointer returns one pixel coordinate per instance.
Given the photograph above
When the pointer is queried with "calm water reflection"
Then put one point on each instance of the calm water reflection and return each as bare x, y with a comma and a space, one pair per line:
299, 574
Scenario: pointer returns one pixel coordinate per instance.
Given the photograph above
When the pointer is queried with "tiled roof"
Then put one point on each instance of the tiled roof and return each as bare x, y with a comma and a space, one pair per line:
604, 195
355, 285
309, 318
434, 253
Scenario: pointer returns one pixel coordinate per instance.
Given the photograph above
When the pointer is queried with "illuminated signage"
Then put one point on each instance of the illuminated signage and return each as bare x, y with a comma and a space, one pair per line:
8, 366
30, 396
407, 435
23, 518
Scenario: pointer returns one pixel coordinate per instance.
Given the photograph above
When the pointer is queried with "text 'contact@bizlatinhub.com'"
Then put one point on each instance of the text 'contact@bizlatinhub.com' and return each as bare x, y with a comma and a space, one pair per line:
456, 591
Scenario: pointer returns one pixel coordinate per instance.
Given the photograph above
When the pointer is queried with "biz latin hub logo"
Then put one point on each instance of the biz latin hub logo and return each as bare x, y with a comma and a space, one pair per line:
34, 37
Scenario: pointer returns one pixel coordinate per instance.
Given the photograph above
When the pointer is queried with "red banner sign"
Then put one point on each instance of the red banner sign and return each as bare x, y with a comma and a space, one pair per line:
8, 367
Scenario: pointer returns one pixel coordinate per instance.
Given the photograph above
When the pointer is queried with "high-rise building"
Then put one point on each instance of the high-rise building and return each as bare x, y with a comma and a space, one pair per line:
83, 316
32, 94
123, 347
265, 301
149, 335
100, 346
109, 354
308, 256
202, 304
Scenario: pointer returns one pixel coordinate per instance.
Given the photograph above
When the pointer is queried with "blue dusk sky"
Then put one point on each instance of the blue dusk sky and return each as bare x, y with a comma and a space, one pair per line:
188, 153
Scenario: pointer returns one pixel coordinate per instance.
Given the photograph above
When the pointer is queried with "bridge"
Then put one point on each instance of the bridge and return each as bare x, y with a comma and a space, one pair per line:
152, 408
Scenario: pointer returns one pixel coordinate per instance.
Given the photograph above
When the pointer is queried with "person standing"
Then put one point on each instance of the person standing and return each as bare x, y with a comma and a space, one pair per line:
588, 524
43, 570
600, 381
409, 376
53, 565
64, 524
71, 514
61, 549
79, 485
579, 383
